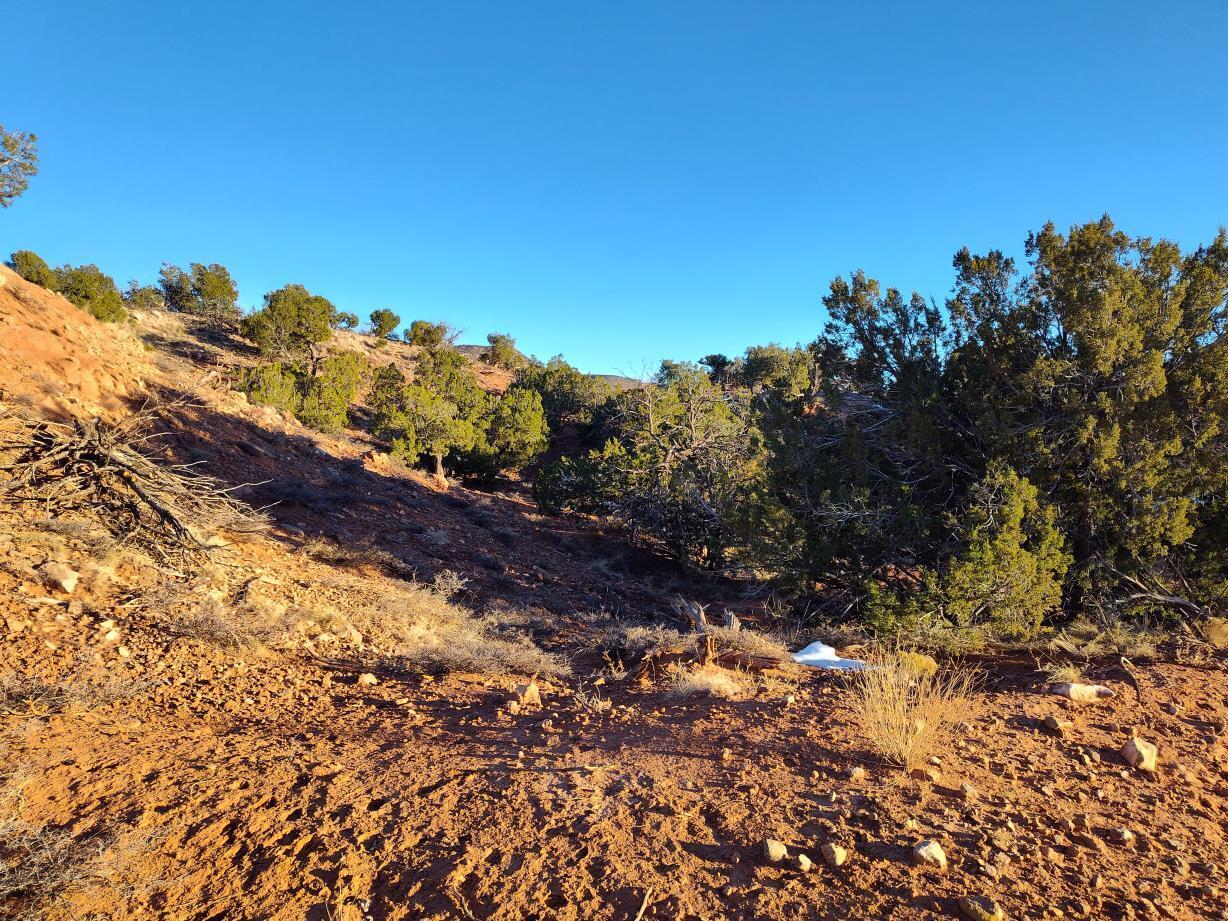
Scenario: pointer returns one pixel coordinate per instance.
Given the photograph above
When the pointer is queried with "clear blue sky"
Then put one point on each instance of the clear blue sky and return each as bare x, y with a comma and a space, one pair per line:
616, 181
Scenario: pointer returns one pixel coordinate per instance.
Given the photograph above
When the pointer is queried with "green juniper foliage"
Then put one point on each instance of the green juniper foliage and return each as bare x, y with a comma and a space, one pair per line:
1051, 443
30, 266
383, 322
92, 290
291, 325
320, 400
203, 290
18, 162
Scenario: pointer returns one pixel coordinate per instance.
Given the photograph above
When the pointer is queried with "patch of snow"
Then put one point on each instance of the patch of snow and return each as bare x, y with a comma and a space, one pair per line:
820, 655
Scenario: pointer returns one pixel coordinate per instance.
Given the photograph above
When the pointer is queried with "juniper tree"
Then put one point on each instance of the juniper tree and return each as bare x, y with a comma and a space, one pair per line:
292, 324
30, 266
18, 163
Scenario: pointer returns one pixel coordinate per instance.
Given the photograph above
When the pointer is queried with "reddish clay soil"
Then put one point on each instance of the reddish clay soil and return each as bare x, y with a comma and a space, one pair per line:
201, 781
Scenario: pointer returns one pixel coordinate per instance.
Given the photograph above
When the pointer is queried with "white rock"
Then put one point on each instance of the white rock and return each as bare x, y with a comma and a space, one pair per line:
931, 853
834, 855
1140, 755
366, 679
57, 575
774, 851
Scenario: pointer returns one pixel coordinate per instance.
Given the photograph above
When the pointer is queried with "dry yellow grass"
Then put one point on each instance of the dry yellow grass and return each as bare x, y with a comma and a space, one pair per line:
710, 680
905, 715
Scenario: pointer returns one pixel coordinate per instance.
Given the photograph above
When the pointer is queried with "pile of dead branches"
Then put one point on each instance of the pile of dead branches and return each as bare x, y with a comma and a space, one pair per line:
104, 470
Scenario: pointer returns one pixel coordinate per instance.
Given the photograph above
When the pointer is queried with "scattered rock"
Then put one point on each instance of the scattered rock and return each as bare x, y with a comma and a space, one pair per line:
979, 908
774, 851
528, 695
930, 774
857, 774
1057, 725
966, 792
58, 575
1140, 755
1122, 836
834, 855
930, 853
1082, 693
803, 863
366, 679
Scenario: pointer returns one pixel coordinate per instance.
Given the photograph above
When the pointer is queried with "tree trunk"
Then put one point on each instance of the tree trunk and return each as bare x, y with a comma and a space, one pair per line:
439, 471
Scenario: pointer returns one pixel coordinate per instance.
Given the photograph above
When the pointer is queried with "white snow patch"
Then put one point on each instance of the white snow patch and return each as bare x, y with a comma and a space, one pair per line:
820, 655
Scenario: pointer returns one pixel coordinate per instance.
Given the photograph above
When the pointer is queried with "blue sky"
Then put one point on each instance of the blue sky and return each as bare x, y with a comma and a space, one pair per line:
618, 182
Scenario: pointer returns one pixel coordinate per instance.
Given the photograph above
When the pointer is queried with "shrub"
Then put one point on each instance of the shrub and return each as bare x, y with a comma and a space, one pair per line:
513, 433
320, 401
143, 297
429, 335
292, 323
203, 290
30, 266
327, 394
383, 322
93, 291
906, 714
271, 385
502, 352
567, 395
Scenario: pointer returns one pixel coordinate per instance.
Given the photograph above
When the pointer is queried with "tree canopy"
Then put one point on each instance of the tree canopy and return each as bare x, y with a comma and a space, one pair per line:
18, 163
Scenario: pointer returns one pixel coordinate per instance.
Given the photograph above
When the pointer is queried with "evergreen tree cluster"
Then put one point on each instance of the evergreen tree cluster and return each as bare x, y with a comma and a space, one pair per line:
1050, 441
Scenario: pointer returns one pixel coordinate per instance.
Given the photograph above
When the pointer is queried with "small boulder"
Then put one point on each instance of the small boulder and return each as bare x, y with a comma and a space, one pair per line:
803, 863
1122, 836
929, 853
59, 576
528, 695
979, 908
367, 680
1140, 755
774, 851
1057, 725
1082, 693
857, 774
834, 855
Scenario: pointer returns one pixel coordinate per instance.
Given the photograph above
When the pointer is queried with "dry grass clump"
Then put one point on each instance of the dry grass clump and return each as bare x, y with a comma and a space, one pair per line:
1214, 631
418, 628
906, 715
22, 694
212, 621
1062, 672
707, 680
357, 557
1091, 641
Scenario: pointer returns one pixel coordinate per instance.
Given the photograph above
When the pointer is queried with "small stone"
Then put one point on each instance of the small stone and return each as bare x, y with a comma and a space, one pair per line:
1122, 836
929, 774
57, 575
979, 908
774, 851
513, 706
726, 754
1140, 755
930, 853
803, 863
528, 695
834, 855
790, 700
1057, 725
966, 792
857, 774
367, 680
